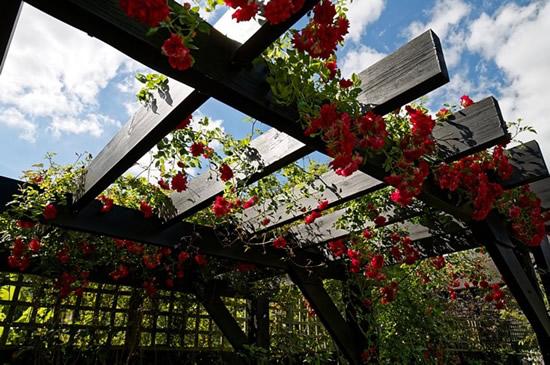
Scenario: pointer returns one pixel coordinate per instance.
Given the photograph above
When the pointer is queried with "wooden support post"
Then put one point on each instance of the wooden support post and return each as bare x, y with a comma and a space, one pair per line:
9, 14
542, 259
493, 232
258, 321
216, 308
345, 336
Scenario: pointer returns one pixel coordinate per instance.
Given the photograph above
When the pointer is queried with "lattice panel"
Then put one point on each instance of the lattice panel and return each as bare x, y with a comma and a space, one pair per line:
107, 315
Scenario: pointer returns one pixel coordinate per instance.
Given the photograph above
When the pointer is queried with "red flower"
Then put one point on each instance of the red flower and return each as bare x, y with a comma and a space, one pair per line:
63, 256
332, 68
225, 172
107, 204
337, 248
150, 12
312, 217
146, 209
345, 83
221, 206
377, 262
178, 54
50, 212
34, 245
277, 11
245, 12
265, 221
438, 262
465, 101
367, 233
323, 204
250, 202
380, 220
183, 256
196, 149
163, 184
201, 260
120, 272
25, 224
279, 242
151, 261
443, 113
179, 182
184, 123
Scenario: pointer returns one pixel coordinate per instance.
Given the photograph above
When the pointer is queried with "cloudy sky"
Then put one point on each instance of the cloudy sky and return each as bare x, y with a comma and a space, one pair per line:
65, 92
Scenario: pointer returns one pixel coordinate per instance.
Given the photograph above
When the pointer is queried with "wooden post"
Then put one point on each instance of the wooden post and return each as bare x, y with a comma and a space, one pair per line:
542, 259
345, 336
493, 232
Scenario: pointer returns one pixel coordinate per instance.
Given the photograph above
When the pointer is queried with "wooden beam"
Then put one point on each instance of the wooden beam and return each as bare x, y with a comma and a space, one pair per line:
493, 232
322, 230
9, 14
147, 128
217, 310
347, 339
542, 260
258, 321
276, 149
468, 131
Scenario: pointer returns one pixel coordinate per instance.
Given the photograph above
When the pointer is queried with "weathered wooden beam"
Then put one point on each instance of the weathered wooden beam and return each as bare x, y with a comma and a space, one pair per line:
468, 131
258, 321
323, 229
346, 337
493, 232
126, 223
276, 149
135, 138
217, 310
146, 128
9, 14
542, 259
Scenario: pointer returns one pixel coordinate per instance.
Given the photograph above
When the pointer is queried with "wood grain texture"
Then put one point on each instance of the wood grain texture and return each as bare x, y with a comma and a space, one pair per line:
542, 189
322, 230
416, 68
9, 14
468, 131
135, 138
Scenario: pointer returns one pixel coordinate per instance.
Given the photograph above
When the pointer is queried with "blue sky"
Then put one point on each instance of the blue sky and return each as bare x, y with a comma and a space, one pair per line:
62, 91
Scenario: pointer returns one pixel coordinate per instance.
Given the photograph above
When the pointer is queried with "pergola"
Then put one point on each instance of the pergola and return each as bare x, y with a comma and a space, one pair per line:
224, 70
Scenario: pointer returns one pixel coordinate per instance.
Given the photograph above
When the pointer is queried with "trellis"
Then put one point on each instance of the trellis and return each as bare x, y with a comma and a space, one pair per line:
224, 70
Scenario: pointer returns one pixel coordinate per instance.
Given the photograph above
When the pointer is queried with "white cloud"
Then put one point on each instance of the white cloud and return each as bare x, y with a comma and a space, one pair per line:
516, 39
55, 73
445, 19
358, 59
12, 118
361, 13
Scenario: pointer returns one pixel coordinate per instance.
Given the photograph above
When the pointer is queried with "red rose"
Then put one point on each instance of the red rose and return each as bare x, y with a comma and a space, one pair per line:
150, 12
225, 172
323, 204
312, 217
146, 209
221, 206
34, 245
250, 202
201, 260
25, 224
163, 184
178, 54
107, 204
345, 83
279, 242
50, 212
184, 123
196, 149
179, 182
465, 101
